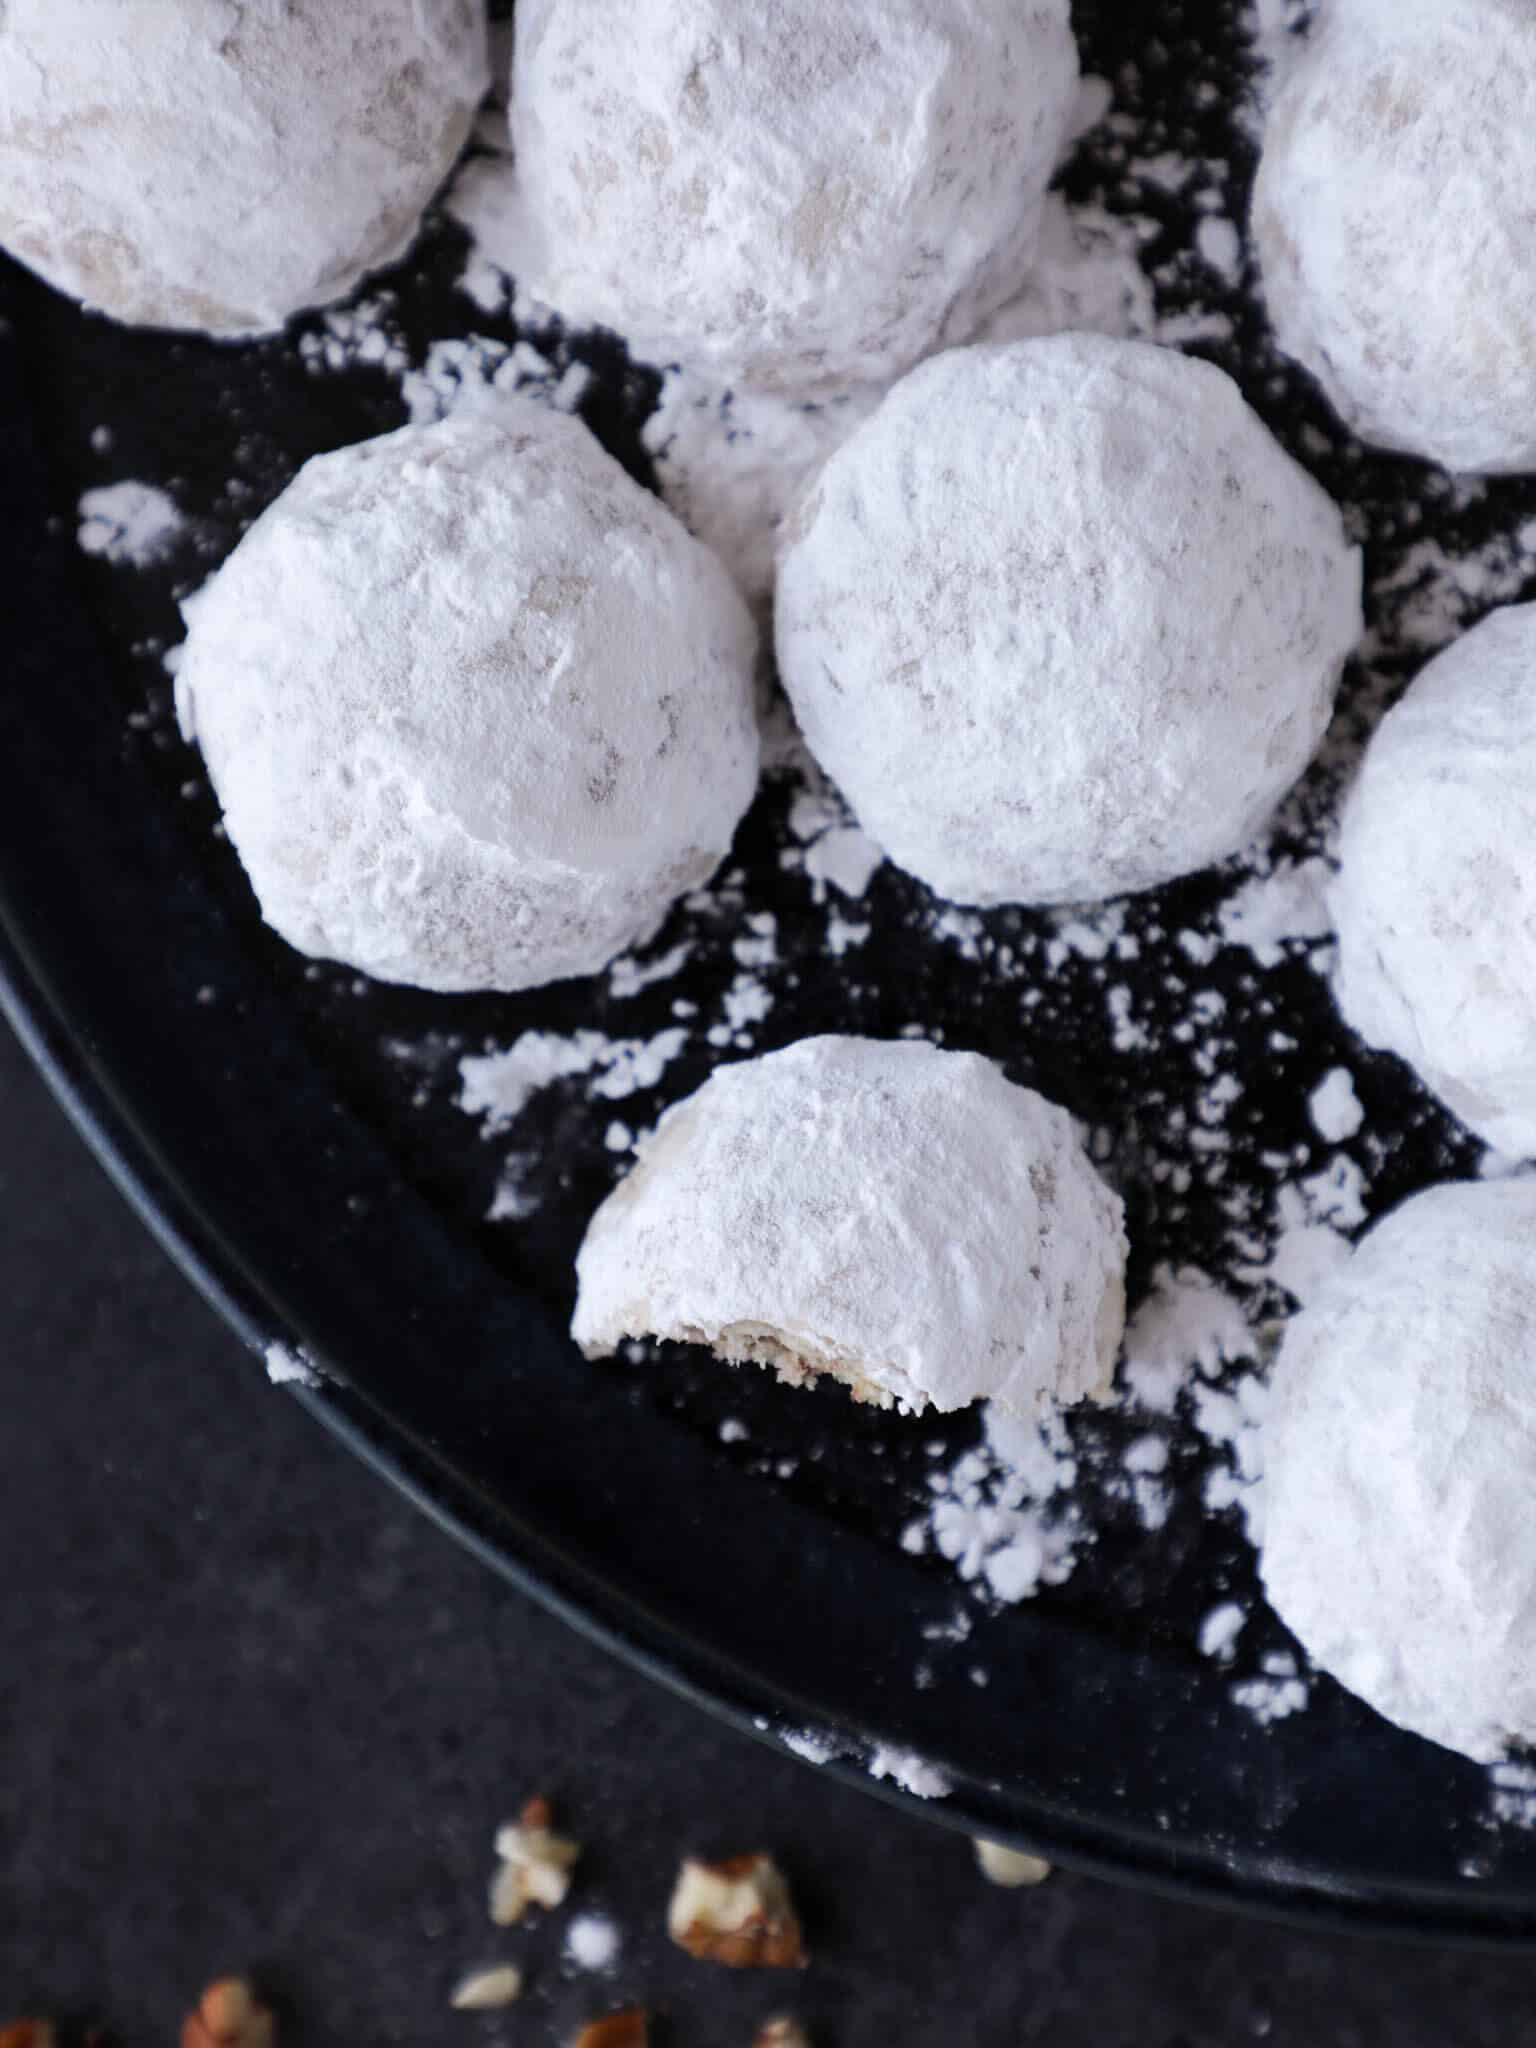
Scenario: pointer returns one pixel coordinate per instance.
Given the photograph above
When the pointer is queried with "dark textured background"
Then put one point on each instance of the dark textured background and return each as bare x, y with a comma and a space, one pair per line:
256, 1712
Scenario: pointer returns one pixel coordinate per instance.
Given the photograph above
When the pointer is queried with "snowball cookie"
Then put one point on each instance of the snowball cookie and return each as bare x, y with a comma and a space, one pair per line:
795, 195
477, 708
900, 1217
1392, 218
1063, 620
218, 164
1435, 901
1400, 1464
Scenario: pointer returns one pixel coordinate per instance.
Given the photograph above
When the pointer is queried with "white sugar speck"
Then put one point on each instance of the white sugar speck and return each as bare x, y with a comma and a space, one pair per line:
1220, 1630
1334, 1107
592, 1942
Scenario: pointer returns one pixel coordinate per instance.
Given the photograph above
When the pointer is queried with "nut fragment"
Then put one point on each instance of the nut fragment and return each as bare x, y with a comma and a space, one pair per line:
628, 2028
737, 1912
485, 1990
781, 2033
29, 2034
536, 1865
1007, 1866
229, 2015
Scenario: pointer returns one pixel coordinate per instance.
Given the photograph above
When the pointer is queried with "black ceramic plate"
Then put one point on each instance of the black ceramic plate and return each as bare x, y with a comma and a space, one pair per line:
324, 1190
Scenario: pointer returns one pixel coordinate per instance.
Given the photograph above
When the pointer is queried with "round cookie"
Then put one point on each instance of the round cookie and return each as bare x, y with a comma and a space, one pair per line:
217, 164
475, 705
1399, 1458
1435, 901
1392, 219
796, 196
1063, 620
902, 1218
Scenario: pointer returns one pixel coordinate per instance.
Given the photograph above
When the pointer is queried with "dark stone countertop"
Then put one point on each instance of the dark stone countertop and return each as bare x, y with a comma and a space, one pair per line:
256, 1712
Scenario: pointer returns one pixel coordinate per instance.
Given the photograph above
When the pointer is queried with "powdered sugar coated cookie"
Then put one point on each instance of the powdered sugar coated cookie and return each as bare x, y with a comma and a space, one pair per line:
901, 1217
1063, 619
220, 164
1399, 1458
476, 707
790, 193
1435, 901
1392, 217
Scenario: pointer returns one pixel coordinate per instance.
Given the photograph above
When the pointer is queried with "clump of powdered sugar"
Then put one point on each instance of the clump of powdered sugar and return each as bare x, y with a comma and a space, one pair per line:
452, 374
1003, 1514
499, 1085
910, 1771
476, 372
1276, 1693
129, 524
1273, 910
358, 336
1231, 1418
1334, 1106
1186, 1323
290, 1367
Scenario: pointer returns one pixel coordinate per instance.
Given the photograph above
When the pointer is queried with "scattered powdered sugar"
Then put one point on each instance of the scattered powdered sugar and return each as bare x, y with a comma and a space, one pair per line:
1306, 1241
628, 976
357, 336
1231, 1419
1282, 907
1512, 1794
1278, 1692
287, 1367
1186, 1323
475, 372
499, 1085
910, 1771
1010, 1516
454, 373
592, 1942
1434, 592
811, 1745
903, 1767
1001, 1514
131, 525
